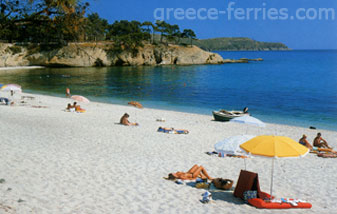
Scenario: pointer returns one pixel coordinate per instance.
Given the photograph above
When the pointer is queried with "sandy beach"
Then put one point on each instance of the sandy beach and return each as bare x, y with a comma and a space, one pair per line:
53, 161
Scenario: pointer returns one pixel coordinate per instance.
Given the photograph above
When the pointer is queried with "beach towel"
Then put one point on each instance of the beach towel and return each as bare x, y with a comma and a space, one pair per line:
4, 100
321, 149
249, 181
172, 130
327, 155
279, 203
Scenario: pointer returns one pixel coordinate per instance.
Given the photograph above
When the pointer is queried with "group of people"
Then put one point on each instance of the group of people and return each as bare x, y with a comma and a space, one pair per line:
318, 142
74, 108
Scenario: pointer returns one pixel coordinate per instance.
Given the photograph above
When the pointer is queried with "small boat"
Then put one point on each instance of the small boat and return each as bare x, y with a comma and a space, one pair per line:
223, 115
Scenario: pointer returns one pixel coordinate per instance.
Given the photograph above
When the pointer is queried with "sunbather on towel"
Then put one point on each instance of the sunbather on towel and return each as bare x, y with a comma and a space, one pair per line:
195, 172
304, 142
320, 142
172, 130
180, 131
4, 100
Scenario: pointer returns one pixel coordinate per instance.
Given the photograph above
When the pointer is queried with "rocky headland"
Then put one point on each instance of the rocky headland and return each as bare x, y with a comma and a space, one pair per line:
104, 54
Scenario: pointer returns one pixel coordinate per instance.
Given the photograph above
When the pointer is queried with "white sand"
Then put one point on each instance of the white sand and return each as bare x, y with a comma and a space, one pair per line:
61, 162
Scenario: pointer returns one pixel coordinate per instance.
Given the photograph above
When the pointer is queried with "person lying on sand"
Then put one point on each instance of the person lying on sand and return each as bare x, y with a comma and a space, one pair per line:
195, 172
124, 120
172, 130
304, 142
74, 107
320, 142
79, 109
4, 100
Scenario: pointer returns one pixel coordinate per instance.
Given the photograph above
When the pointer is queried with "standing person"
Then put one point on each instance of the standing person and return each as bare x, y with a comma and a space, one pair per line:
320, 142
67, 92
124, 120
304, 142
12, 93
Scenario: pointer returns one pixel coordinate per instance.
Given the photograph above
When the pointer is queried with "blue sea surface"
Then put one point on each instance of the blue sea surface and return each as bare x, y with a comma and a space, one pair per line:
288, 87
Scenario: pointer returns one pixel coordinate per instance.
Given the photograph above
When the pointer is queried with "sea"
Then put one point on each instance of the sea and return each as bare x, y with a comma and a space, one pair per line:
297, 87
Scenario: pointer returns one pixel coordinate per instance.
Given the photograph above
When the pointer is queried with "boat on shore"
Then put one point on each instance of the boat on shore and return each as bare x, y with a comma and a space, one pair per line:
224, 115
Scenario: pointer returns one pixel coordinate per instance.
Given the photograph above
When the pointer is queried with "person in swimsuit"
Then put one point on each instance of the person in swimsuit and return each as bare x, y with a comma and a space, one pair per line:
195, 172
172, 130
67, 92
304, 142
320, 142
124, 120
70, 108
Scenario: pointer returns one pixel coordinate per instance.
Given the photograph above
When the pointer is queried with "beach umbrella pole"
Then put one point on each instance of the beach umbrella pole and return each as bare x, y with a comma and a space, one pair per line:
272, 176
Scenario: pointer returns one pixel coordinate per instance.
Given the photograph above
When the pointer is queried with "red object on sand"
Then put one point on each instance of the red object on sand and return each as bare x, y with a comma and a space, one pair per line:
250, 181
261, 204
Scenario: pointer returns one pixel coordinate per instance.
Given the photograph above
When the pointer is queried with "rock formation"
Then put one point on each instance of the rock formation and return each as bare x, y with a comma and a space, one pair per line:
103, 54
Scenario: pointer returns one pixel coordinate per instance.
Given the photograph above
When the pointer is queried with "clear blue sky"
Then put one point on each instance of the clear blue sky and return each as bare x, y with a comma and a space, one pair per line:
310, 33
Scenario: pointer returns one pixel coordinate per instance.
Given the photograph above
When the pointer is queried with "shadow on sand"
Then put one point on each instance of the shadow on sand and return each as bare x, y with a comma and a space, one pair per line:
223, 195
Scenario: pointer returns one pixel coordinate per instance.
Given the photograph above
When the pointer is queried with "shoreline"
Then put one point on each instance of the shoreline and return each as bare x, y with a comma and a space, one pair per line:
168, 110
20, 68
64, 162
188, 112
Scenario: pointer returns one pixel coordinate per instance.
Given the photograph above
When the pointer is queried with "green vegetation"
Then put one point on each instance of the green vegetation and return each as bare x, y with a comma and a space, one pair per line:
62, 21
41, 20
227, 44
57, 22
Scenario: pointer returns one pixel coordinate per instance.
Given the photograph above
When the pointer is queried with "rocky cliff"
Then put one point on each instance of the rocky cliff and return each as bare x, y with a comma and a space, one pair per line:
102, 54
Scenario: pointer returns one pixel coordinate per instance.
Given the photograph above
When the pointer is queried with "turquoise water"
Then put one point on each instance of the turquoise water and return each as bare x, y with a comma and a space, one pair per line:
288, 87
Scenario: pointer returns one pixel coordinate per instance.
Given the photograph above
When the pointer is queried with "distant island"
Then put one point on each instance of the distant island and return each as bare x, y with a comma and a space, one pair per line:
228, 44
238, 44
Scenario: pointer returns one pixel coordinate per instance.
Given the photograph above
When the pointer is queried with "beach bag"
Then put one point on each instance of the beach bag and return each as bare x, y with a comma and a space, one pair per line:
249, 194
224, 184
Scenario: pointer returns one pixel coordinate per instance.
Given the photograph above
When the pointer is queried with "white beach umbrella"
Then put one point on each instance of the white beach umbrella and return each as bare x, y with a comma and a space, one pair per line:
11, 87
246, 119
80, 98
231, 145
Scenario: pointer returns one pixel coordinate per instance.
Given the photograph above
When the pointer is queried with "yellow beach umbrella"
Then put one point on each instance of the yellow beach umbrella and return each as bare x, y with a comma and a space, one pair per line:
274, 147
